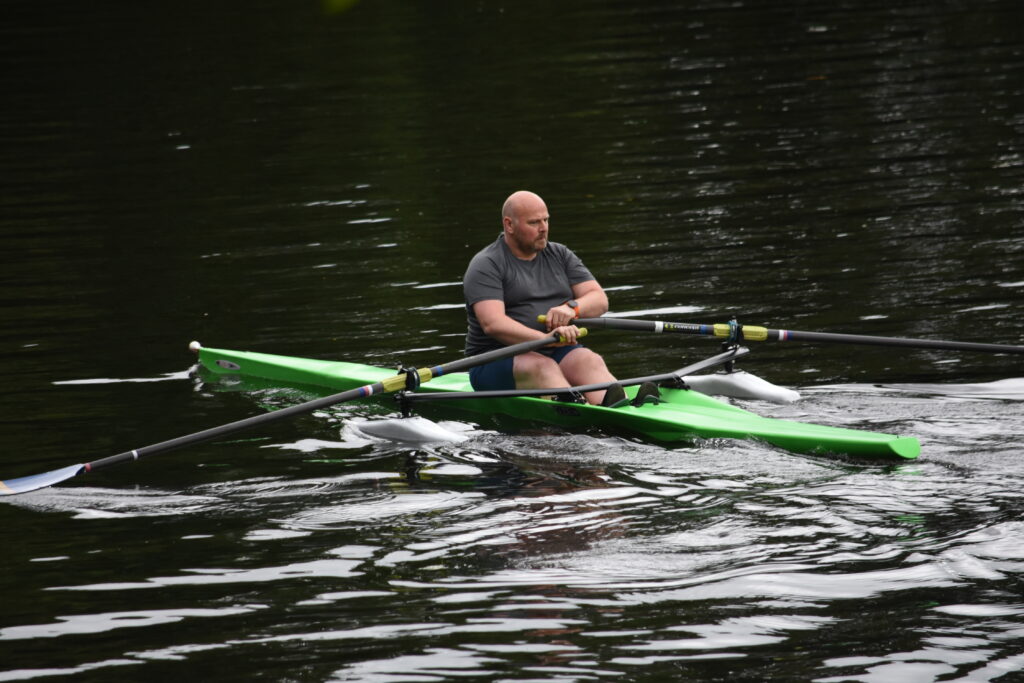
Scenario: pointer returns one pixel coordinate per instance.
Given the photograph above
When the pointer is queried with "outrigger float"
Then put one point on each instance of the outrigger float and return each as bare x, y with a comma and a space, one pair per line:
681, 413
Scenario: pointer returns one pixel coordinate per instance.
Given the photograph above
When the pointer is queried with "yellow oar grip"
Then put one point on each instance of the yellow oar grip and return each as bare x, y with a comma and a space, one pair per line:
755, 333
543, 319
750, 332
397, 382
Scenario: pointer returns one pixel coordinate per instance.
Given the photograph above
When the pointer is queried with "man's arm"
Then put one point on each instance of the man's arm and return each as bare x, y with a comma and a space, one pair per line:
497, 325
592, 301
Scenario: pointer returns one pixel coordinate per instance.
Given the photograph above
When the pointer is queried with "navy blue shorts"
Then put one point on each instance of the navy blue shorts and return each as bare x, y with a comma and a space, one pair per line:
497, 375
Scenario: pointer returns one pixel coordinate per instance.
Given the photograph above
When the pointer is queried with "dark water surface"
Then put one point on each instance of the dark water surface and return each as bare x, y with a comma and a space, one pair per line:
283, 178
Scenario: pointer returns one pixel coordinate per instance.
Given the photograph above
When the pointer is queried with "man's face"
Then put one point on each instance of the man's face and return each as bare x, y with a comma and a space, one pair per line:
530, 228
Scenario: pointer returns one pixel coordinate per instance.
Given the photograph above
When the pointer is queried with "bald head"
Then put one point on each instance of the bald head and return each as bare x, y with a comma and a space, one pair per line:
520, 203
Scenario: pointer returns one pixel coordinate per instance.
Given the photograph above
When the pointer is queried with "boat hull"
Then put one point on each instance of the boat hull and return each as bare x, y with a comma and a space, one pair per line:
684, 415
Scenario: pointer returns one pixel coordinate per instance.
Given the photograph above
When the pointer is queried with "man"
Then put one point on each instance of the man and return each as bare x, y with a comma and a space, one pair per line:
518, 277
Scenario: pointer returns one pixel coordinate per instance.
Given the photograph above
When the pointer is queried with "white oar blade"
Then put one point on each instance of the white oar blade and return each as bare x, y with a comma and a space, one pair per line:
410, 430
38, 481
740, 384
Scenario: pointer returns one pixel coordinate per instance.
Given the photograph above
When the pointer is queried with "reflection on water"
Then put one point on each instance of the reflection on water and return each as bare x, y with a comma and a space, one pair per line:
281, 179
574, 556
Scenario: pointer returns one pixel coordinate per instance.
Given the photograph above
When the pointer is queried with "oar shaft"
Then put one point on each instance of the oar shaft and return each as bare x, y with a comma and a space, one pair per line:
239, 425
707, 363
394, 383
388, 385
497, 354
755, 333
836, 338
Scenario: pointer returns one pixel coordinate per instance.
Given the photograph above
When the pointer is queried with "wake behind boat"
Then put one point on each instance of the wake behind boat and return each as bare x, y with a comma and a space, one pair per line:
682, 415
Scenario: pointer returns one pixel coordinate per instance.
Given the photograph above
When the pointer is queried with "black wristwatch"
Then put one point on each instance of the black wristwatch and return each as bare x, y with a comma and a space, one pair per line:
575, 306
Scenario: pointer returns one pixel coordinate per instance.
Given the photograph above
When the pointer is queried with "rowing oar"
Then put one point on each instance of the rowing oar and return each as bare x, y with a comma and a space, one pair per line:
736, 332
391, 384
677, 375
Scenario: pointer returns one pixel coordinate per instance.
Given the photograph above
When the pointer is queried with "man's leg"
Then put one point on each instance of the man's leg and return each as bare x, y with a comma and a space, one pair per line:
494, 376
536, 371
583, 366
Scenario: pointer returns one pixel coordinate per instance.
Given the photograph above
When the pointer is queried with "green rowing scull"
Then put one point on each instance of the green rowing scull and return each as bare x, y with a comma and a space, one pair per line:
683, 414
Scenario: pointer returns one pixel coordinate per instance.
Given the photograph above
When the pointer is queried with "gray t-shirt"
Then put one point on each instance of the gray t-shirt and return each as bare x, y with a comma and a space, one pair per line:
528, 288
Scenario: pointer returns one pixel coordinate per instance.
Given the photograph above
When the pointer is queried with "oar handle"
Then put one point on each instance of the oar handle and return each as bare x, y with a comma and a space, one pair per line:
497, 354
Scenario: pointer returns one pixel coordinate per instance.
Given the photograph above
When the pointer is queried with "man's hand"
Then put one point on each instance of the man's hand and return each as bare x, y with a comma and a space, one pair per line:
569, 334
559, 316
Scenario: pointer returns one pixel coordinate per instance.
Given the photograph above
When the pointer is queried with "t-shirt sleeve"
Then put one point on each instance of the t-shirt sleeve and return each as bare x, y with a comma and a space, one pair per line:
482, 280
574, 268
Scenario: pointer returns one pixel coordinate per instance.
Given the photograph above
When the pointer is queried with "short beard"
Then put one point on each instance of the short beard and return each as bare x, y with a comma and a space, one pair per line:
530, 247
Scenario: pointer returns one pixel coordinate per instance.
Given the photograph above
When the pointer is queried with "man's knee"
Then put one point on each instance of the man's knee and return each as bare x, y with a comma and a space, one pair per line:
537, 368
586, 367
584, 359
